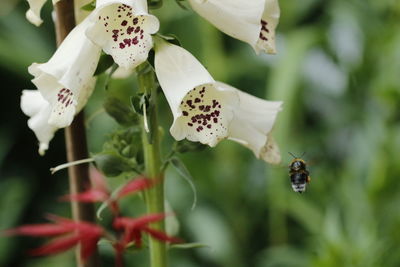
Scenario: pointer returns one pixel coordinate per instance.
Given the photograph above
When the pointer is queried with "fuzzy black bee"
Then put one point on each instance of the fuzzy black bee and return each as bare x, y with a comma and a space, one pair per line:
299, 175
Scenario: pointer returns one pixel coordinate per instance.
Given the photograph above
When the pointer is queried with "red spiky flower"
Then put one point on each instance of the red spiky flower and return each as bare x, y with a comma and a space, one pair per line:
134, 227
68, 234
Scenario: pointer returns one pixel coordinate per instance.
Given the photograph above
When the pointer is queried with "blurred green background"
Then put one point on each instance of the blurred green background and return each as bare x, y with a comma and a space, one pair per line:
337, 71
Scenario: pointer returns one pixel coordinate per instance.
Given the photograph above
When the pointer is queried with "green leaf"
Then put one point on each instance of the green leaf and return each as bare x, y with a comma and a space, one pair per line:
188, 146
112, 164
189, 246
89, 7
183, 171
121, 112
105, 62
182, 5
154, 4
171, 38
138, 101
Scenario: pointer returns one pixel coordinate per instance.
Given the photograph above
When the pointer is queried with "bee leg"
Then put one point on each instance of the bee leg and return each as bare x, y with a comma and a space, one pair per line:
308, 179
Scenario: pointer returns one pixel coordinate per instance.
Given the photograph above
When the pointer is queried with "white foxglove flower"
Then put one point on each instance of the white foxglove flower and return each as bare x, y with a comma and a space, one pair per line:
33, 13
251, 21
123, 29
39, 110
208, 111
202, 110
67, 75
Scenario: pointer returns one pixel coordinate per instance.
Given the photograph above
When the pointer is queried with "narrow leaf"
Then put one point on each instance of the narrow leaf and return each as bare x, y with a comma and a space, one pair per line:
189, 246
183, 171
105, 62
89, 7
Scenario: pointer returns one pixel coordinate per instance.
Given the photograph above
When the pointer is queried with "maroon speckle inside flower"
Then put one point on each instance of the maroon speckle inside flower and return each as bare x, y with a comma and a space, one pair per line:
264, 31
203, 114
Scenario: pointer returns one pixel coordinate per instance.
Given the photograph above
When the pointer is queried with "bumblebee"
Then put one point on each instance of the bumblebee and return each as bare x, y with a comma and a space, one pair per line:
299, 175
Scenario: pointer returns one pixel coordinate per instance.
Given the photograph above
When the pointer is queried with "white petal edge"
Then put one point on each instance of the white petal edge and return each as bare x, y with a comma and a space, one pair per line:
123, 29
33, 13
237, 18
252, 123
191, 93
65, 76
39, 110
270, 20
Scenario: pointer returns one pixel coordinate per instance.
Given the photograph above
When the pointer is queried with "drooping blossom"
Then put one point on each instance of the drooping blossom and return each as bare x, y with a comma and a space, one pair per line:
66, 80
123, 29
67, 234
208, 111
253, 22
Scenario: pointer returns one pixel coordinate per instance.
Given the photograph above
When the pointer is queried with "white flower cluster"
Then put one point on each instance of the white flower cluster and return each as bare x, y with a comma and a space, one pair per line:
204, 110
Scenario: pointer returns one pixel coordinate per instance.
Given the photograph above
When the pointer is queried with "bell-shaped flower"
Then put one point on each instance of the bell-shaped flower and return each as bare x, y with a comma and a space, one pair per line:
253, 22
68, 76
202, 109
40, 110
208, 111
33, 13
123, 29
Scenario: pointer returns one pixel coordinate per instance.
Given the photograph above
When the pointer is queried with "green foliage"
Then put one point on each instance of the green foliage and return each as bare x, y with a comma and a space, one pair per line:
90, 6
337, 71
121, 112
121, 154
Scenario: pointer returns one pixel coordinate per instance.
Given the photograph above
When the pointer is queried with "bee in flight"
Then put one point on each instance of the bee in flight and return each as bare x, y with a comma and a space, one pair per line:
299, 176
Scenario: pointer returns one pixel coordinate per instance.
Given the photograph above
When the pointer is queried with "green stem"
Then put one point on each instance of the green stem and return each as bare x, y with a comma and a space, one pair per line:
153, 163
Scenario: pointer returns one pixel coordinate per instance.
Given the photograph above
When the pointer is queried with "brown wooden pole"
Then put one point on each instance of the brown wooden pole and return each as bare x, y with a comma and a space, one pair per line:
75, 139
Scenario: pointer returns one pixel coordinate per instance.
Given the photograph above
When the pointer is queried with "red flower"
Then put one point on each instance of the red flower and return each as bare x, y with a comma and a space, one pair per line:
134, 227
72, 233
138, 184
100, 192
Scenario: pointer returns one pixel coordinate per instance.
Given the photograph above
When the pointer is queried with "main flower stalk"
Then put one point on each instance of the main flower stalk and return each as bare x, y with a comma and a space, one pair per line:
152, 159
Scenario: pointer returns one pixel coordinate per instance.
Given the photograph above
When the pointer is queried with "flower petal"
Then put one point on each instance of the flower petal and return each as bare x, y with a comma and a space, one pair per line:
253, 22
137, 184
202, 111
33, 13
91, 195
237, 18
98, 181
136, 223
56, 246
270, 152
45, 229
123, 29
161, 235
269, 21
67, 76
253, 121
39, 110
88, 246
